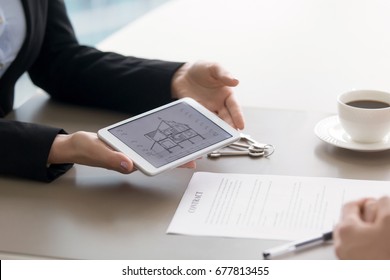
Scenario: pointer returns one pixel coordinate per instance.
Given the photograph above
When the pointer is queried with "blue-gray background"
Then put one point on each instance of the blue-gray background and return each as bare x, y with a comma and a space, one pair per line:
93, 21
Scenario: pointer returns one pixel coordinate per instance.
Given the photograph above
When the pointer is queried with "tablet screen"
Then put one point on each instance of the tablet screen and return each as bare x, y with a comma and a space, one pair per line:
169, 134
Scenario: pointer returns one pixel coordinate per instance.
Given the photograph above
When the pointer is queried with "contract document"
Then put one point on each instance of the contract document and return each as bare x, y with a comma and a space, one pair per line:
266, 206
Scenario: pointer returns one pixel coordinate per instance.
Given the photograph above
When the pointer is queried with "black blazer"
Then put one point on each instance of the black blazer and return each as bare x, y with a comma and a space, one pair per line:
70, 73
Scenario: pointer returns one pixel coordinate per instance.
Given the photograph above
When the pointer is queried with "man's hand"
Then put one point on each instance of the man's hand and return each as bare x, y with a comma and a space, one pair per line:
364, 229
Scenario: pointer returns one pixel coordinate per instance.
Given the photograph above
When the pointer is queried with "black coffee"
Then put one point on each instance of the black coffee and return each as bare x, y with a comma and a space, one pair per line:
368, 104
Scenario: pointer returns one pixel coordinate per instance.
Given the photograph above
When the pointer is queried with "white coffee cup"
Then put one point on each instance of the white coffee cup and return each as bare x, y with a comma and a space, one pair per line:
360, 120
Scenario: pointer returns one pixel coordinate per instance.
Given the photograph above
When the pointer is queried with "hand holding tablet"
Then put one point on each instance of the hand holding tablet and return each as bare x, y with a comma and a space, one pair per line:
169, 136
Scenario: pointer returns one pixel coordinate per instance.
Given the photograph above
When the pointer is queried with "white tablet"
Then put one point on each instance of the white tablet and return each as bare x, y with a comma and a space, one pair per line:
169, 136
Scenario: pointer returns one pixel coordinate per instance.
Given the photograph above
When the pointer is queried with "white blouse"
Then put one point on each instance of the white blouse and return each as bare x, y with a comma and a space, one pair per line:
12, 32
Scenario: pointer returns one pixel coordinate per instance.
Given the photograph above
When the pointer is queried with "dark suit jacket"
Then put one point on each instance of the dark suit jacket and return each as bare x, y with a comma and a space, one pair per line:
70, 73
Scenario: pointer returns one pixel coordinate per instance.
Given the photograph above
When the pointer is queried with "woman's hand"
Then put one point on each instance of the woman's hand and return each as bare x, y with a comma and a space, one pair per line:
87, 149
210, 85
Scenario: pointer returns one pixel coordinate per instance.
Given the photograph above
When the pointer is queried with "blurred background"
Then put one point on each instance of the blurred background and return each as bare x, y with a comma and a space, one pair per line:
93, 20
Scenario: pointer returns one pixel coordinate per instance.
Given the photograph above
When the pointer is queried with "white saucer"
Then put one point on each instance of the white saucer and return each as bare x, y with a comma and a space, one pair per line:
330, 131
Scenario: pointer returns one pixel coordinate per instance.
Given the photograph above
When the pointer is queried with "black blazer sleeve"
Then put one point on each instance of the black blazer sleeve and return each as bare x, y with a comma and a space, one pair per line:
83, 75
24, 151
80, 75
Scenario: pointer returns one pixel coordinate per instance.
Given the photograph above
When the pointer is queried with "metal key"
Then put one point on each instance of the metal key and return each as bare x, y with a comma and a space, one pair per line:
249, 152
252, 142
247, 146
268, 149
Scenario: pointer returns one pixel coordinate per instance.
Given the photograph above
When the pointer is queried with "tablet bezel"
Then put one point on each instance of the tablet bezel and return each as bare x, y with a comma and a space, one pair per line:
145, 166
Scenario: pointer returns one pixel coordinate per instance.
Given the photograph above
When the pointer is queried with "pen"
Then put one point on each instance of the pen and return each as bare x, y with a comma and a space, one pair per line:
297, 245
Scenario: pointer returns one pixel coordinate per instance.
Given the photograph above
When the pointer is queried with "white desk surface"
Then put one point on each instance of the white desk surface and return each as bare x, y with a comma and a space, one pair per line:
92, 213
287, 54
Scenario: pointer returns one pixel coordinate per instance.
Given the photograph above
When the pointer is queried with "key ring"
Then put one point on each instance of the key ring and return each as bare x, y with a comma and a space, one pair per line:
270, 148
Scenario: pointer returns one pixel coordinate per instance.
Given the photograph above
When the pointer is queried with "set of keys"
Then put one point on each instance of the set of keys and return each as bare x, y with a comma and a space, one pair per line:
246, 146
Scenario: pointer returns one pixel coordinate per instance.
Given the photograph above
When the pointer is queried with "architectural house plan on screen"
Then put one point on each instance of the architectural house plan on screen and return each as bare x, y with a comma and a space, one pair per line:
170, 134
